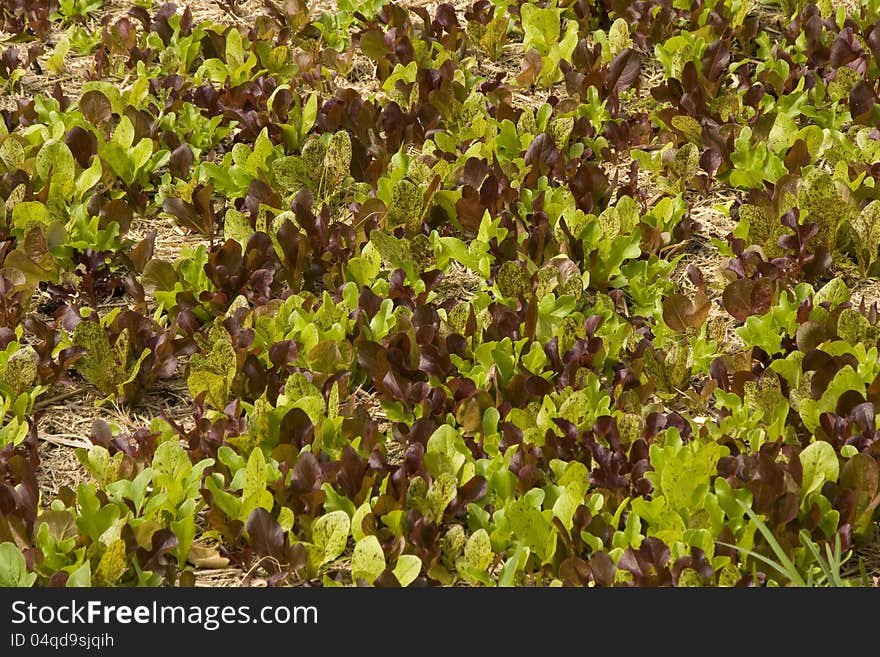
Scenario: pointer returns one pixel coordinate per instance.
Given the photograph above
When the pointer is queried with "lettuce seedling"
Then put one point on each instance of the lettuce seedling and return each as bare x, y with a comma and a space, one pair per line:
13, 568
212, 374
542, 33
487, 27
102, 365
322, 167
237, 66
866, 233
18, 390
754, 163
132, 162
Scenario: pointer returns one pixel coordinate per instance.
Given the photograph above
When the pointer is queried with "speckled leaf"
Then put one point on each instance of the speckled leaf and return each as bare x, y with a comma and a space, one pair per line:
820, 464
570, 331
120, 349
763, 395
329, 356
526, 124
513, 280
390, 248
406, 203
368, 560
630, 427
214, 373
338, 159
685, 164
689, 127
55, 164
547, 278
854, 327
12, 153
457, 317
559, 130
821, 202
844, 81
453, 543
333, 401
16, 197
257, 428
422, 252
298, 386
441, 492
618, 36
419, 172
293, 174
729, 576
255, 475
610, 222
571, 284
286, 518
313, 153
478, 550
97, 365
113, 564
236, 227
568, 274
330, 534
416, 494
494, 34
676, 361
655, 368
532, 527
20, 371
866, 230
689, 578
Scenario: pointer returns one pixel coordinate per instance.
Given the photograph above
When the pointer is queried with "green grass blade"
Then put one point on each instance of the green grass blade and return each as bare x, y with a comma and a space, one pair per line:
782, 570
790, 571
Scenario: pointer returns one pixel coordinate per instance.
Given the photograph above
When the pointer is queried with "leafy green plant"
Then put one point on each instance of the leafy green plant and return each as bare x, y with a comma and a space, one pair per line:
18, 391
550, 36
236, 66
212, 374
13, 570
865, 227
754, 162
132, 162
69, 10
336, 27
322, 167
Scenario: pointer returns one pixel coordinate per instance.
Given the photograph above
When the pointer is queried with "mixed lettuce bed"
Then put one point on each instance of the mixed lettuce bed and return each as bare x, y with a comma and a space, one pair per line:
462, 312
